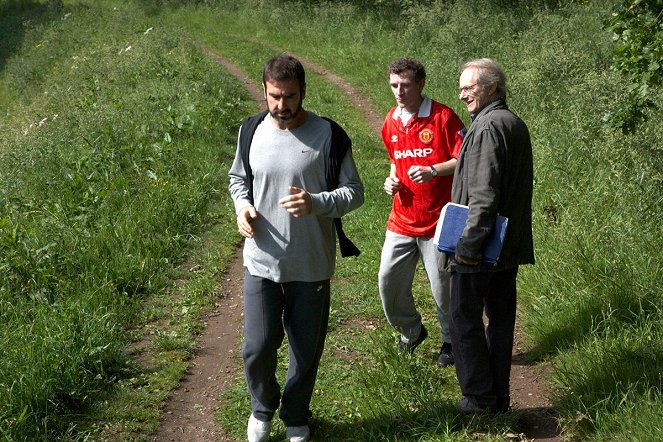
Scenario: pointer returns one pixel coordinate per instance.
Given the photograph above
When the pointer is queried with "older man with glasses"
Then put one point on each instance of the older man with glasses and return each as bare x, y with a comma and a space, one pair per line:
494, 175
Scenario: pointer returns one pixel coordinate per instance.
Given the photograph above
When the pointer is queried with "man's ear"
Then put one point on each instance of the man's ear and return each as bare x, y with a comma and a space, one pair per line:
492, 91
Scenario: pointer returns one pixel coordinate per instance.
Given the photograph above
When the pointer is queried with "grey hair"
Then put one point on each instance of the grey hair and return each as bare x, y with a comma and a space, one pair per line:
489, 73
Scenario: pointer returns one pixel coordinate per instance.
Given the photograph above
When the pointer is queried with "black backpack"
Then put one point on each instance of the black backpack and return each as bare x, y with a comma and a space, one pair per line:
340, 143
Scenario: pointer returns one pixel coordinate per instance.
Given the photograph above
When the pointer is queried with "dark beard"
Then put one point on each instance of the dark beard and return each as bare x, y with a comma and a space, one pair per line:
284, 120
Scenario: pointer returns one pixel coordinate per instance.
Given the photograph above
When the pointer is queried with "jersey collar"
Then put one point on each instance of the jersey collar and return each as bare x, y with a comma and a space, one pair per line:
423, 112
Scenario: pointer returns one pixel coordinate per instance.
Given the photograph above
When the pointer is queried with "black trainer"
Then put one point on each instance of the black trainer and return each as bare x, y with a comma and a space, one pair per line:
409, 347
446, 357
468, 407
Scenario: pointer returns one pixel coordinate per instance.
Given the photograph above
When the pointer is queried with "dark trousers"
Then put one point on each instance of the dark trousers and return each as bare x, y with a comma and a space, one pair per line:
482, 354
300, 309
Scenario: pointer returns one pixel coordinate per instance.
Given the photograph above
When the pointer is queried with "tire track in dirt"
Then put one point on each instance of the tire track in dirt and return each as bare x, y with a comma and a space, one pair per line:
189, 412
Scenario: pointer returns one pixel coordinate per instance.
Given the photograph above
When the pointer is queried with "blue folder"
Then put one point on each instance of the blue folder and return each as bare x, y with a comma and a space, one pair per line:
450, 227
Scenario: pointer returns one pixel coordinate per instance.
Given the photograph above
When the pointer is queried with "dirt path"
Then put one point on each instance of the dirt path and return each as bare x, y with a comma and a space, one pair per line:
189, 413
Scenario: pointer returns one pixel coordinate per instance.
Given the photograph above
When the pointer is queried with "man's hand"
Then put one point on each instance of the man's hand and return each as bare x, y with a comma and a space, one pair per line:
298, 203
420, 174
465, 261
391, 185
244, 218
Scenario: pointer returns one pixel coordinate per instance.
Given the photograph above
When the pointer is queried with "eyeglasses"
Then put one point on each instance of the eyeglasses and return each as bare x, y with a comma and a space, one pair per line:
467, 88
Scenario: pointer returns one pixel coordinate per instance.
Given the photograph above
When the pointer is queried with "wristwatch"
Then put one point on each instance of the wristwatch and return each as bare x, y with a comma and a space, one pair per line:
433, 171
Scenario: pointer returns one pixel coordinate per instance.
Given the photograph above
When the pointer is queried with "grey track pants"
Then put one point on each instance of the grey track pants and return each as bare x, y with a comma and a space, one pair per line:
400, 255
271, 310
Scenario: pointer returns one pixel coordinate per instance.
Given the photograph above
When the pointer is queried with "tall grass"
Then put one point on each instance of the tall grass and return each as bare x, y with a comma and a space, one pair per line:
119, 135
594, 299
110, 155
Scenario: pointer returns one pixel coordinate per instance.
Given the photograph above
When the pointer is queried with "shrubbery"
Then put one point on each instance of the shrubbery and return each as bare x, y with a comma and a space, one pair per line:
108, 166
595, 294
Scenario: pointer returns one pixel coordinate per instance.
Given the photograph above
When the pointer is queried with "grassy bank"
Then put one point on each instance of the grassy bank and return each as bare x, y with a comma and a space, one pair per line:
119, 134
593, 301
111, 156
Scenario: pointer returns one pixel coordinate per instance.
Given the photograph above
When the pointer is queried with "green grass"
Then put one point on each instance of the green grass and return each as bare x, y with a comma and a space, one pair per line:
597, 198
117, 137
108, 175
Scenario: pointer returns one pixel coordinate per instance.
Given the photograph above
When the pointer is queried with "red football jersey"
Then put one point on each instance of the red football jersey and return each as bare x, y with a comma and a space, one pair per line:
434, 135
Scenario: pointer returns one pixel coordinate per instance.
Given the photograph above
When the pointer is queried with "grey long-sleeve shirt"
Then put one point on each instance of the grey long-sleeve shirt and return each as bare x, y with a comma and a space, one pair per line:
285, 248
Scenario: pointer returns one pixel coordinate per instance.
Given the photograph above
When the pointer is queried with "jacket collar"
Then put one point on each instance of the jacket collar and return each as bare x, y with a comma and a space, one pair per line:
497, 104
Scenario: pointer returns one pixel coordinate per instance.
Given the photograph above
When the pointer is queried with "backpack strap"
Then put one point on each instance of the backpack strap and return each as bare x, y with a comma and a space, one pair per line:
340, 144
249, 127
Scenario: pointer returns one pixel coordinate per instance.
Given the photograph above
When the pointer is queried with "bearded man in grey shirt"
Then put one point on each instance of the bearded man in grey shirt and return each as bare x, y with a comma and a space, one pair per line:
286, 213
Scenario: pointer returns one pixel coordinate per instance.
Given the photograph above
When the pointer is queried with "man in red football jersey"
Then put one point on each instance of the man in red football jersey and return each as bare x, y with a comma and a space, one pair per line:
423, 138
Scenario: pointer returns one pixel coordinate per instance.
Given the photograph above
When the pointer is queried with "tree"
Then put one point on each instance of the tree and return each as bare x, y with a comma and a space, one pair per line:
637, 27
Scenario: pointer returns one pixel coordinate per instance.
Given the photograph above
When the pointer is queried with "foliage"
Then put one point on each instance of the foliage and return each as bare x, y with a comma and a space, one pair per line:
108, 167
115, 143
637, 27
597, 209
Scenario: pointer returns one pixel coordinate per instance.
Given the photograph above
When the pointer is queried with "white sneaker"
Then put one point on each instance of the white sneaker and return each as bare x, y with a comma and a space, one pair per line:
257, 430
297, 434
